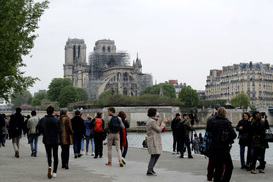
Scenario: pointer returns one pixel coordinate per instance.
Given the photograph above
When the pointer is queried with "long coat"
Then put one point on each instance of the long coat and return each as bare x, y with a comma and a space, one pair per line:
67, 132
154, 136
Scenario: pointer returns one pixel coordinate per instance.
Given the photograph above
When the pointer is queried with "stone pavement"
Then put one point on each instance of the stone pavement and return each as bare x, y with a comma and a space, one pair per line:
87, 169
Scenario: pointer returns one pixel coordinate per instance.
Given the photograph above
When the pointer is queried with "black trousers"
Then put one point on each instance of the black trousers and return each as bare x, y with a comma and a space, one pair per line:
153, 160
49, 148
221, 158
176, 142
65, 154
98, 139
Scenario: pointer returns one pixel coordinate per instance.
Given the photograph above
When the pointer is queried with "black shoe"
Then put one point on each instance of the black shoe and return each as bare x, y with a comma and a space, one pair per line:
79, 155
100, 156
66, 166
76, 156
63, 166
151, 174
244, 167
3, 144
190, 157
181, 156
95, 157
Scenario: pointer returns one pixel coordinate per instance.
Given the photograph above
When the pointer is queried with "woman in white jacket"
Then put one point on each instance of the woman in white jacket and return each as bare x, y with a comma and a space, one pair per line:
154, 139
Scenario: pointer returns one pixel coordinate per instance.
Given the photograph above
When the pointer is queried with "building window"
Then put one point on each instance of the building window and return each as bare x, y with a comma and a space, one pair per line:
109, 49
103, 49
74, 53
79, 51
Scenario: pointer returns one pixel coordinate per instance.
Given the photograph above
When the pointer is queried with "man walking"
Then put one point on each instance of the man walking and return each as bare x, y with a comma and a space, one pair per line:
79, 131
32, 133
15, 129
113, 126
51, 128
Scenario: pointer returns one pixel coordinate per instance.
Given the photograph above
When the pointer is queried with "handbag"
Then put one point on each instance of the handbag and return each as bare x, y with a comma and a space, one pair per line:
268, 136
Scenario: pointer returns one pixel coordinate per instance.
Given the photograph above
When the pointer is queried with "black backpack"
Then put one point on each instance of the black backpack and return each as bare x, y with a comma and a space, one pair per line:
114, 124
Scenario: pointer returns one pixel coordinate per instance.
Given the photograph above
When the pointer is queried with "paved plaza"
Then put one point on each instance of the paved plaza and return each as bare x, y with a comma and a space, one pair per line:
87, 169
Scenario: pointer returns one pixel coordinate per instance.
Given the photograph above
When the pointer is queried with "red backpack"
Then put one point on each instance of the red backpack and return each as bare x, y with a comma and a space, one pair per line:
98, 125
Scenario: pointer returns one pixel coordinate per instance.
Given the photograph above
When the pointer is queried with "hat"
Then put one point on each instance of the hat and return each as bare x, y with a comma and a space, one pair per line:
185, 114
217, 106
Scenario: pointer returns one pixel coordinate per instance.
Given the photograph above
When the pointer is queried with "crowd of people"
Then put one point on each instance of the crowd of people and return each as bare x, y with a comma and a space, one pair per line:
64, 131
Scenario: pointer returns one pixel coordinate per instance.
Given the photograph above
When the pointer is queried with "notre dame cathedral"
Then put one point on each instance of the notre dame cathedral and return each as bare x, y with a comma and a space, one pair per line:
107, 69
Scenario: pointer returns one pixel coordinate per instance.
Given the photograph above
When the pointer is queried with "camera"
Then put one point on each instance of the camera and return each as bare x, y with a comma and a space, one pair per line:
262, 114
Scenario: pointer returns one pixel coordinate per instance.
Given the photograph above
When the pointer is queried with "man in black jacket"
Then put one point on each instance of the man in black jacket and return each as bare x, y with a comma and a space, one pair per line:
79, 131
51, 128
15, 129
174, 126
220, 147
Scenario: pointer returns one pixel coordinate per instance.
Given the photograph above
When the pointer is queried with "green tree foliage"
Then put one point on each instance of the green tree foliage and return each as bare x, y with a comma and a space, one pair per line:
37, 100
18, 22
213, 103
68, 94
21, 98
56, 86
240, 100
168, 90
82, 94
188, 96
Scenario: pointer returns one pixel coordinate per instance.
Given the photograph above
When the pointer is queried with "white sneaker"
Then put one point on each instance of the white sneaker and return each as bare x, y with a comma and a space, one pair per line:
54, 175
173, 152
86, 153
92, 154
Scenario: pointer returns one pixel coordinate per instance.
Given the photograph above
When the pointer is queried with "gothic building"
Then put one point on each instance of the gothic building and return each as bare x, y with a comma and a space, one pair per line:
107, 69
254, 79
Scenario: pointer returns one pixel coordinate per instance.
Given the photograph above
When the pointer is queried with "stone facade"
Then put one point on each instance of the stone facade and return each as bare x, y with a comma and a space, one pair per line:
254, 79
107, 69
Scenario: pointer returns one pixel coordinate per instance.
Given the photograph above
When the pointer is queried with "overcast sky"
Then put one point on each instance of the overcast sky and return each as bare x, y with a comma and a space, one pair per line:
175, 39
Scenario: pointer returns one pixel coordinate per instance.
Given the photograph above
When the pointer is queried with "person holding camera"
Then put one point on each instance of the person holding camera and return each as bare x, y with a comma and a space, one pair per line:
154, 143
258, 126
245, 138
185, 135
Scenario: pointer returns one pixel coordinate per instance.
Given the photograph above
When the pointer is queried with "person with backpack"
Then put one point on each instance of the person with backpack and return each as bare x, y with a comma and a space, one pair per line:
223, 135
123, 136
113, 126
16, 126
97, 124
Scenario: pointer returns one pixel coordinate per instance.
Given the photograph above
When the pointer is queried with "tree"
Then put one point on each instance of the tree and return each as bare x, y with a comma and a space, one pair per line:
83, 95
240, 100
18, 22
21, 98
37, 100
167, 89
68, 94
56, 86
188, 96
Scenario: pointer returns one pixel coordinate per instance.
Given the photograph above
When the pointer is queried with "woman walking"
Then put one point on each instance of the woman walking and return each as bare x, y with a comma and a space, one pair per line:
123, 136
154, 140
66, 137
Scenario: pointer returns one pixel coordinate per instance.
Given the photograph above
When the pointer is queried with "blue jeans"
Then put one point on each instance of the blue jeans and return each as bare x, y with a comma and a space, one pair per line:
242, 155
33, 141
92, 143
77, 143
